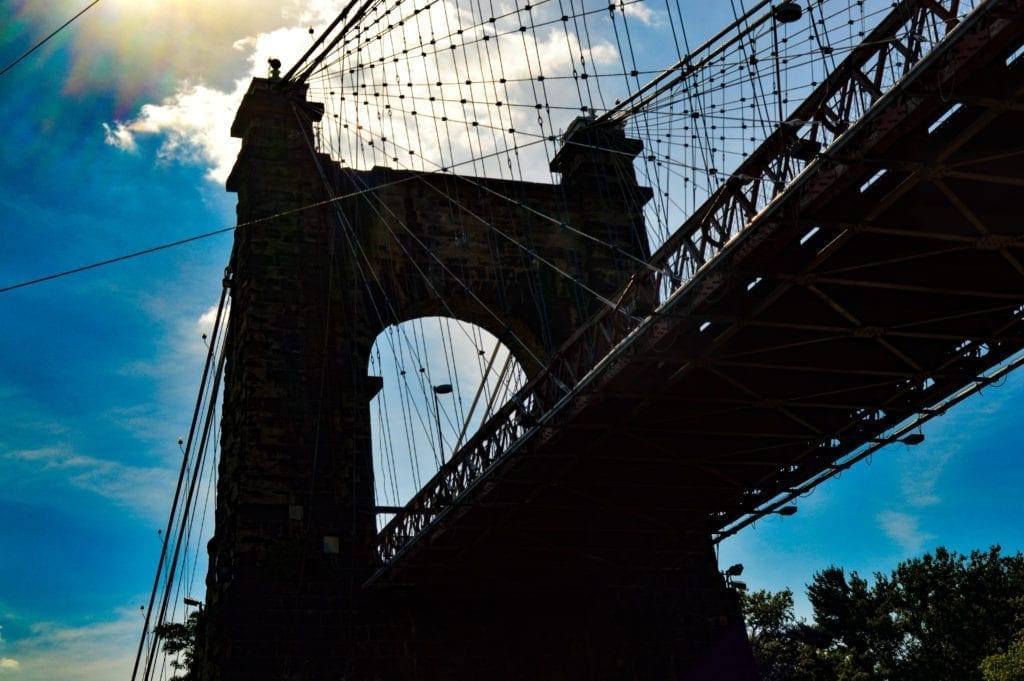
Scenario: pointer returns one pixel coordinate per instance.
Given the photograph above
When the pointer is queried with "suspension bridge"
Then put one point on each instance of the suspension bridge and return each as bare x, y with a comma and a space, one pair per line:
724, 280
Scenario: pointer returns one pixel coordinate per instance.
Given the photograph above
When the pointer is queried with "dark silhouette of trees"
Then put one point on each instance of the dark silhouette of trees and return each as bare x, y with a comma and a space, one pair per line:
941, 616
179, 641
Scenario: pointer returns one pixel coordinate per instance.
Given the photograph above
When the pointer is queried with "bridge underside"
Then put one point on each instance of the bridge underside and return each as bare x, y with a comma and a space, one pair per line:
866, 294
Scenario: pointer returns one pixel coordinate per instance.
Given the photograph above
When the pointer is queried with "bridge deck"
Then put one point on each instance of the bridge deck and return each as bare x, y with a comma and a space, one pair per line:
887, 276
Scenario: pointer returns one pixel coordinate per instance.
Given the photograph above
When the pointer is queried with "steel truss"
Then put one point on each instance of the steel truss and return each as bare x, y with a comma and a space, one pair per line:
873, 95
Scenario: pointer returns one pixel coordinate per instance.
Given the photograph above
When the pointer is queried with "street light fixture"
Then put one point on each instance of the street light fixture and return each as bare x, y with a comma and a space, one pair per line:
910, 440
731, 573
785, 510
443, 389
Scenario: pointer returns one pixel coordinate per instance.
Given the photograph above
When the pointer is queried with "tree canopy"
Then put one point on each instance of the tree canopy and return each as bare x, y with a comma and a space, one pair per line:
941, 616
179, 640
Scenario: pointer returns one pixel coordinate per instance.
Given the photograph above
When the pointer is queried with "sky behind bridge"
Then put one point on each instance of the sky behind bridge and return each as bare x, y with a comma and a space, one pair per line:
116, 139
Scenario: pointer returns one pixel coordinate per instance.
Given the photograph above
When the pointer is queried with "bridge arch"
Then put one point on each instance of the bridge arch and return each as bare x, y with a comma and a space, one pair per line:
506, 256
415, 430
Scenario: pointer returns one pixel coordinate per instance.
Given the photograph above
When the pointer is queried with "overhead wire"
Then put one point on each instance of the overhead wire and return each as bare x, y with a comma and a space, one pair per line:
45, 40
187, 240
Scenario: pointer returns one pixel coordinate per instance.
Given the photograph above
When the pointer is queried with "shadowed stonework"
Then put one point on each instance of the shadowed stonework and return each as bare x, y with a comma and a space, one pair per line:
325, 258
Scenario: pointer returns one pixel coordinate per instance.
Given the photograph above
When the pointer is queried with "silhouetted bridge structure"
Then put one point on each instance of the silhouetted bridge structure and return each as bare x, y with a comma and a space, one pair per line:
769, 340
857, 274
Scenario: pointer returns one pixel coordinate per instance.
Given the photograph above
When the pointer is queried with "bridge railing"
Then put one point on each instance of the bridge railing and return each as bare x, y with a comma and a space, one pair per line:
888, 53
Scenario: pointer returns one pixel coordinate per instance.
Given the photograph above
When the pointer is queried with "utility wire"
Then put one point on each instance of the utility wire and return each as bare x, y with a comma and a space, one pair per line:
111, 261
44, 40
180, 242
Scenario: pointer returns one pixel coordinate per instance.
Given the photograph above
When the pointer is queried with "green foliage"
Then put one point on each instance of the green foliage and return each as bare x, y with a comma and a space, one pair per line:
783, 647
1008, 666
179, 640
767, 614
956, 610
941, 616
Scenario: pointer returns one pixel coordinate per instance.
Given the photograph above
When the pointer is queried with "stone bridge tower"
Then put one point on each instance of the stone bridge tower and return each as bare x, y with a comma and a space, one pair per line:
325, 258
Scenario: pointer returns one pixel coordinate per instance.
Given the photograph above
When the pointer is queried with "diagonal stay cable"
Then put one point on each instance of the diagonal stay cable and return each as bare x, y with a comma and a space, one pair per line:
302, 77
320, 41
181, 476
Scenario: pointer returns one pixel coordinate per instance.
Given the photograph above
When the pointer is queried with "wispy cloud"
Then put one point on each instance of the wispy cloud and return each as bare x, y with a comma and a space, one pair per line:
638, 10
52, 650
7, 664
120, 136
193, 124
203, 328
904, 530
922, 481
922, 476
141, 489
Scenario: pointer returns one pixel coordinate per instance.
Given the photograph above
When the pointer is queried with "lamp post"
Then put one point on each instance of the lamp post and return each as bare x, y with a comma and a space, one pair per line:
443, 389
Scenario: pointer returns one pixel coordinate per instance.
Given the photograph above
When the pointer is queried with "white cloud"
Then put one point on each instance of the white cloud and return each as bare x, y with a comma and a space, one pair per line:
97, 652
193, 123
118, 135
204, 327
156, 44
904, 530
922, 475
643, 12
141, 489
450, 118
194, 127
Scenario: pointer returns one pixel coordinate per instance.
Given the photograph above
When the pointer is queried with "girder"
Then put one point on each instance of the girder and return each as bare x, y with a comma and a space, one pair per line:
809, 312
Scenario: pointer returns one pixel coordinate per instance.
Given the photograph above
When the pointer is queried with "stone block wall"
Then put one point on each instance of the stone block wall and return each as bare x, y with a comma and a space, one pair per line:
314, 282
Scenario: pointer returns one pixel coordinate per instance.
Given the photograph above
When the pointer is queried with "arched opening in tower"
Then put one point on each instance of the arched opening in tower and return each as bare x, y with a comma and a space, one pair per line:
442, 379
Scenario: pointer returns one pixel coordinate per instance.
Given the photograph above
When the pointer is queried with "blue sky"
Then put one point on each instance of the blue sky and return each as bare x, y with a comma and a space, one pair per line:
115, 139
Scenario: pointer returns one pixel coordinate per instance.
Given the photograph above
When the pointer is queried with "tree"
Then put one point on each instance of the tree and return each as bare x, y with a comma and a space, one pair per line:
855, 620
955, 610
1008, 666
179, 640
783, 647
941, 616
